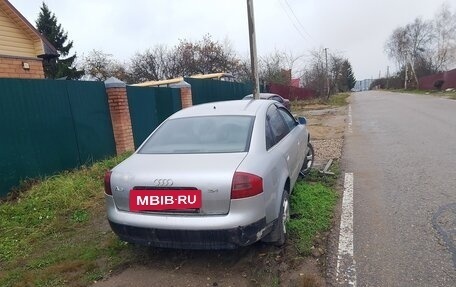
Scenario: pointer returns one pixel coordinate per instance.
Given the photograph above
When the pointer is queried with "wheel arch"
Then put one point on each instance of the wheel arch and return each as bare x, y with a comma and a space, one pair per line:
287, 185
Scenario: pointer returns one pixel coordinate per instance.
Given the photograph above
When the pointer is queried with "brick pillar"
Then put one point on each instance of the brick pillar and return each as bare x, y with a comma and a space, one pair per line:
120, 115
186, 93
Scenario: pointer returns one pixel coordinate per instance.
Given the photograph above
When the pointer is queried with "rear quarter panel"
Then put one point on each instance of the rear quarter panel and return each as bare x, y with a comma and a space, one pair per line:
271, 165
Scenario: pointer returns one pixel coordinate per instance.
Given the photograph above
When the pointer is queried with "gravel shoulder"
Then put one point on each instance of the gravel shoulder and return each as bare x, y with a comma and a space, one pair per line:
326, 126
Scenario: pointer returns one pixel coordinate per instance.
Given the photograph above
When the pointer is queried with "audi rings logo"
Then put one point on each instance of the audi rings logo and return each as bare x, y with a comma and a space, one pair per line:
163, 182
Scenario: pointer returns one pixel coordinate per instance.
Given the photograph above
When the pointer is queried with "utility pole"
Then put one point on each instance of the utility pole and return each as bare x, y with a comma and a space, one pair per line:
327, 76
253, 51
387, 76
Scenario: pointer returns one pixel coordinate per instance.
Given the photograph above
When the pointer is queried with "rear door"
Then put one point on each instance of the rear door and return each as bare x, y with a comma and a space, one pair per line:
297, 139
284, 137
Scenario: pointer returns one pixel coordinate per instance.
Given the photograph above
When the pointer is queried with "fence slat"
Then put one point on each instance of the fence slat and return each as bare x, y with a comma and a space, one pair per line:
149, 106
208, 90
48, 126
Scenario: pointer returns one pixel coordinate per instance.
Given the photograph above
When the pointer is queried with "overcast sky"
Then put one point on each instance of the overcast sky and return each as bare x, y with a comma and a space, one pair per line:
355, 29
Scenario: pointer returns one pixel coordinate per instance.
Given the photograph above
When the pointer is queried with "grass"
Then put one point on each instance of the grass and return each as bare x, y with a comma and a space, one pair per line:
56, 233
337, 100
412, 91
312, 205
449, 95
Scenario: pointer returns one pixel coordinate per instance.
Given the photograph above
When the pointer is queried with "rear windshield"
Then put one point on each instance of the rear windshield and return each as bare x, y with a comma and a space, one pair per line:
209, 134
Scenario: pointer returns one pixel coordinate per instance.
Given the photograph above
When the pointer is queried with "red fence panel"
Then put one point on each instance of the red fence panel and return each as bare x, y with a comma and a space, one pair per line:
448, 78
292, 93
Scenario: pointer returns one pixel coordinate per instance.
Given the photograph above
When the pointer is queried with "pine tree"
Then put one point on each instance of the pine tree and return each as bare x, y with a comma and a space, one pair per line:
351, 80
63, 66
347, 76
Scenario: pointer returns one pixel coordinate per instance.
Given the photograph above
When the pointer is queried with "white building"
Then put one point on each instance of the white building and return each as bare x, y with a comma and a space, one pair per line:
362, 85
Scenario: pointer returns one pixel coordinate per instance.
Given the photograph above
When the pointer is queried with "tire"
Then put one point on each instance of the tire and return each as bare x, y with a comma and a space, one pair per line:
308, 160
278, 235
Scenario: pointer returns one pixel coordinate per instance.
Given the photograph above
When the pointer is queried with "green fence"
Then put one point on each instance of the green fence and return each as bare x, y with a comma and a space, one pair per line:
208, 90
149, 106
47, 126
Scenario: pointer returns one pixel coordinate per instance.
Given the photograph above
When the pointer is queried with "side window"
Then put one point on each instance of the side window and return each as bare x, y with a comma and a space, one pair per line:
269, 138
291, 122
279, 99
279, 129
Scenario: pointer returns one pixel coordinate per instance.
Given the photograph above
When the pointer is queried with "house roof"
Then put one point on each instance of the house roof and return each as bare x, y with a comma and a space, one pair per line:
180, 79
159, 83
48, 50
212, 76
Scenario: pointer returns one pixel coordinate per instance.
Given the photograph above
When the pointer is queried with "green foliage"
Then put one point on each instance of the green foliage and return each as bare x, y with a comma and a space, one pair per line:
346, 80
55, 232
350, 77
57, 229
48, 26
312, 206
338, 100
80, 216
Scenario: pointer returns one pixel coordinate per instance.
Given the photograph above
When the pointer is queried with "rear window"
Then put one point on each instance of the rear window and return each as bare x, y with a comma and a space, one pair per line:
210, 134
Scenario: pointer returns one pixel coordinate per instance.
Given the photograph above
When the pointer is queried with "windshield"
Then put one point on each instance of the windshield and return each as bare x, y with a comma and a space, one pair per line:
208, 134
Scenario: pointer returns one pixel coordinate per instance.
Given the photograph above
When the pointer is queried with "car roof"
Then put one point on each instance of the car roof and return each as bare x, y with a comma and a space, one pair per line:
263, 95
238, 107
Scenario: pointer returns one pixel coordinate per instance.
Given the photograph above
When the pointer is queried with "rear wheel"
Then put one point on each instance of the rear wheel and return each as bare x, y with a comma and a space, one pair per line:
278, 235
308, 160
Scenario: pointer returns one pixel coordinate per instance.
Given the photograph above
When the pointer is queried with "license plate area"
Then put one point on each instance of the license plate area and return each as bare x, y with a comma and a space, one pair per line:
179, 200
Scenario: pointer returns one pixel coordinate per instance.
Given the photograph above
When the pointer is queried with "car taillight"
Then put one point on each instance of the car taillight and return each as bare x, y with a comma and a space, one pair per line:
245, 185
107, 183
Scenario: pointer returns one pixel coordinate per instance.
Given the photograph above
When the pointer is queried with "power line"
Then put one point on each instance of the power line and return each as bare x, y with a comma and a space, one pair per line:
292, 22
297, 19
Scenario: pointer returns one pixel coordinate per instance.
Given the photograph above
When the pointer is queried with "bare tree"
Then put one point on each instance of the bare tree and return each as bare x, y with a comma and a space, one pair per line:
273, 68
150, 65
409, 45
203, 57
244, 71
186, 58
424, 47
396, 46
277, 67
335, 69
419, 38
100, 66
314, 76
444, 53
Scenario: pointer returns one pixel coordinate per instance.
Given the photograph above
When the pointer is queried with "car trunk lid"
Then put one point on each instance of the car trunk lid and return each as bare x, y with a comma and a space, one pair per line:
156, 173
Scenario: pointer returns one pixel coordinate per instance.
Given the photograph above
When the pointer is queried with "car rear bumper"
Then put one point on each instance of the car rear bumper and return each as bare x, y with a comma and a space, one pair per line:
191, 239
243, 225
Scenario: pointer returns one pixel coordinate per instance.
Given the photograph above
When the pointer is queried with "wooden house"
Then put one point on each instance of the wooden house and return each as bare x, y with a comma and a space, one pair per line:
22, 47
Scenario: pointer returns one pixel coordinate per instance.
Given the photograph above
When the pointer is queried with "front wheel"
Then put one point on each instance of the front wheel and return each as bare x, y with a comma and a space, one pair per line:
308, 160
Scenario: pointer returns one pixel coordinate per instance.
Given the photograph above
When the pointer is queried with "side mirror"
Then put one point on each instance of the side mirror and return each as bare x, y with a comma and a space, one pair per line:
302, 120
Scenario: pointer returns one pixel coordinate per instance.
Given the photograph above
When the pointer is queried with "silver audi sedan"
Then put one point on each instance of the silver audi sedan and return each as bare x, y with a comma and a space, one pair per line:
212, 176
